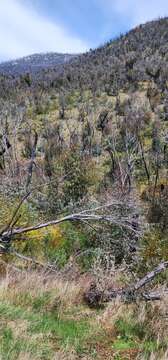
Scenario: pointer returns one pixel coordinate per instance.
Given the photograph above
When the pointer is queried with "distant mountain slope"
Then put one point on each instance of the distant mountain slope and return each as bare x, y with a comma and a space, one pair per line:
34, 63
139, 55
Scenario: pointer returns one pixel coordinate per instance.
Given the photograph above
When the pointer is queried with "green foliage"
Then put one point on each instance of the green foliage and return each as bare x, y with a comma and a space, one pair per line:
76, 184
72, 238
154, 248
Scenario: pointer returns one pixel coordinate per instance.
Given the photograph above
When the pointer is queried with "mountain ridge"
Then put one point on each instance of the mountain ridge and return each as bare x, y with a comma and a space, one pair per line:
139, 55
34, 62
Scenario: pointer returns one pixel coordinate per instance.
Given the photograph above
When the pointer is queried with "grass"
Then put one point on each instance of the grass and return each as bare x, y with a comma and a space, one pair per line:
43, 317
120, 344
52, 330
43, 320
12, 348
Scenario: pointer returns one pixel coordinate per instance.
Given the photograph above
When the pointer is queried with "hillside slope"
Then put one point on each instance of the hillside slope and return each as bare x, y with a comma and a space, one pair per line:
141, 54
34, 63
84, 204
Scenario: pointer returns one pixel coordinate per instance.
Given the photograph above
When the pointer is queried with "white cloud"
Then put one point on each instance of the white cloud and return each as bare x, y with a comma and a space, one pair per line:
138, 11
24, 32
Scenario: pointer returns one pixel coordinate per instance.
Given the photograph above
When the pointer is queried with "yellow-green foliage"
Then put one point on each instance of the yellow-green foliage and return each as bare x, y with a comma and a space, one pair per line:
7, 208
154, 247
55, 236
41, 243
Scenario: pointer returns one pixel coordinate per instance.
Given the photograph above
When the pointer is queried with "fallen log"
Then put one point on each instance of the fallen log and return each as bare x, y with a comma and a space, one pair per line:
96, 298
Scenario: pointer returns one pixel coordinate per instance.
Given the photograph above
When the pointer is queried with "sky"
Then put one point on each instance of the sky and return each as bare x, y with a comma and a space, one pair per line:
71, 26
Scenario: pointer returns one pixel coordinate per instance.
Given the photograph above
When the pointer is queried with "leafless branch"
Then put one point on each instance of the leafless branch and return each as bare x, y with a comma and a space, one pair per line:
33, 261
72, 217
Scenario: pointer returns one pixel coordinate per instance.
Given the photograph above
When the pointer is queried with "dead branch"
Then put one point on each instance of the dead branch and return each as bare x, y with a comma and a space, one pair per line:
12, 220
73, 217
47, 266
150, 276
154, 295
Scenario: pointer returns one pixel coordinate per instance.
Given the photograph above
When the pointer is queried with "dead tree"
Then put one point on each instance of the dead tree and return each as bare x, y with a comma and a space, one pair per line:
93, 297
10, 231
32, 161
5, 145
122, 168
62, 105
144, 160
96, 298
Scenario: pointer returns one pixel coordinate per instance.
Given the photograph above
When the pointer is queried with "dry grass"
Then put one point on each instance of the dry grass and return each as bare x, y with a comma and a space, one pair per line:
163, 357
25, 356
69, 354
112, 313
64, 293
156, 315
37, 293
153, 314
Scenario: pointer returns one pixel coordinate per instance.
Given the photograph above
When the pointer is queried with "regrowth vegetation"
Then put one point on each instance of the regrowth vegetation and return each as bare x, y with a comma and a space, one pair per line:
83, 204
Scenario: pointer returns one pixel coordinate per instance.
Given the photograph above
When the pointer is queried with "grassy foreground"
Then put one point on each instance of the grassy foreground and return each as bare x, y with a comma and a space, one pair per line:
44, 317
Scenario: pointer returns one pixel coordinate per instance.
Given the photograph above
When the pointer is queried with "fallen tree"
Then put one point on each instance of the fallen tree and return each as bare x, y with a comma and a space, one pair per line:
95, 298
10, 232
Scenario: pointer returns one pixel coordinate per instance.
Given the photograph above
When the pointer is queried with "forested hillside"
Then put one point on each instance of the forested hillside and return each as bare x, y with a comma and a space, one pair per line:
83, 204
34, 63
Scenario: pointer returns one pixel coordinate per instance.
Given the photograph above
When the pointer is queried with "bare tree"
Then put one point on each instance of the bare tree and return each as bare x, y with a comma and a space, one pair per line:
32, 161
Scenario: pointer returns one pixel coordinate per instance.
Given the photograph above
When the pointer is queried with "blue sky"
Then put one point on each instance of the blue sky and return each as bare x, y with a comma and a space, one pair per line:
31, 26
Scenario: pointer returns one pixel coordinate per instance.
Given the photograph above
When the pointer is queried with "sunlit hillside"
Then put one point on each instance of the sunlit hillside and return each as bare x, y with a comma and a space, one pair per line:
84, 200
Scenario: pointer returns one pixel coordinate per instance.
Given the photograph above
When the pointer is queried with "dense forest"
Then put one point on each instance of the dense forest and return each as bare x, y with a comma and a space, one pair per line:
84, 201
